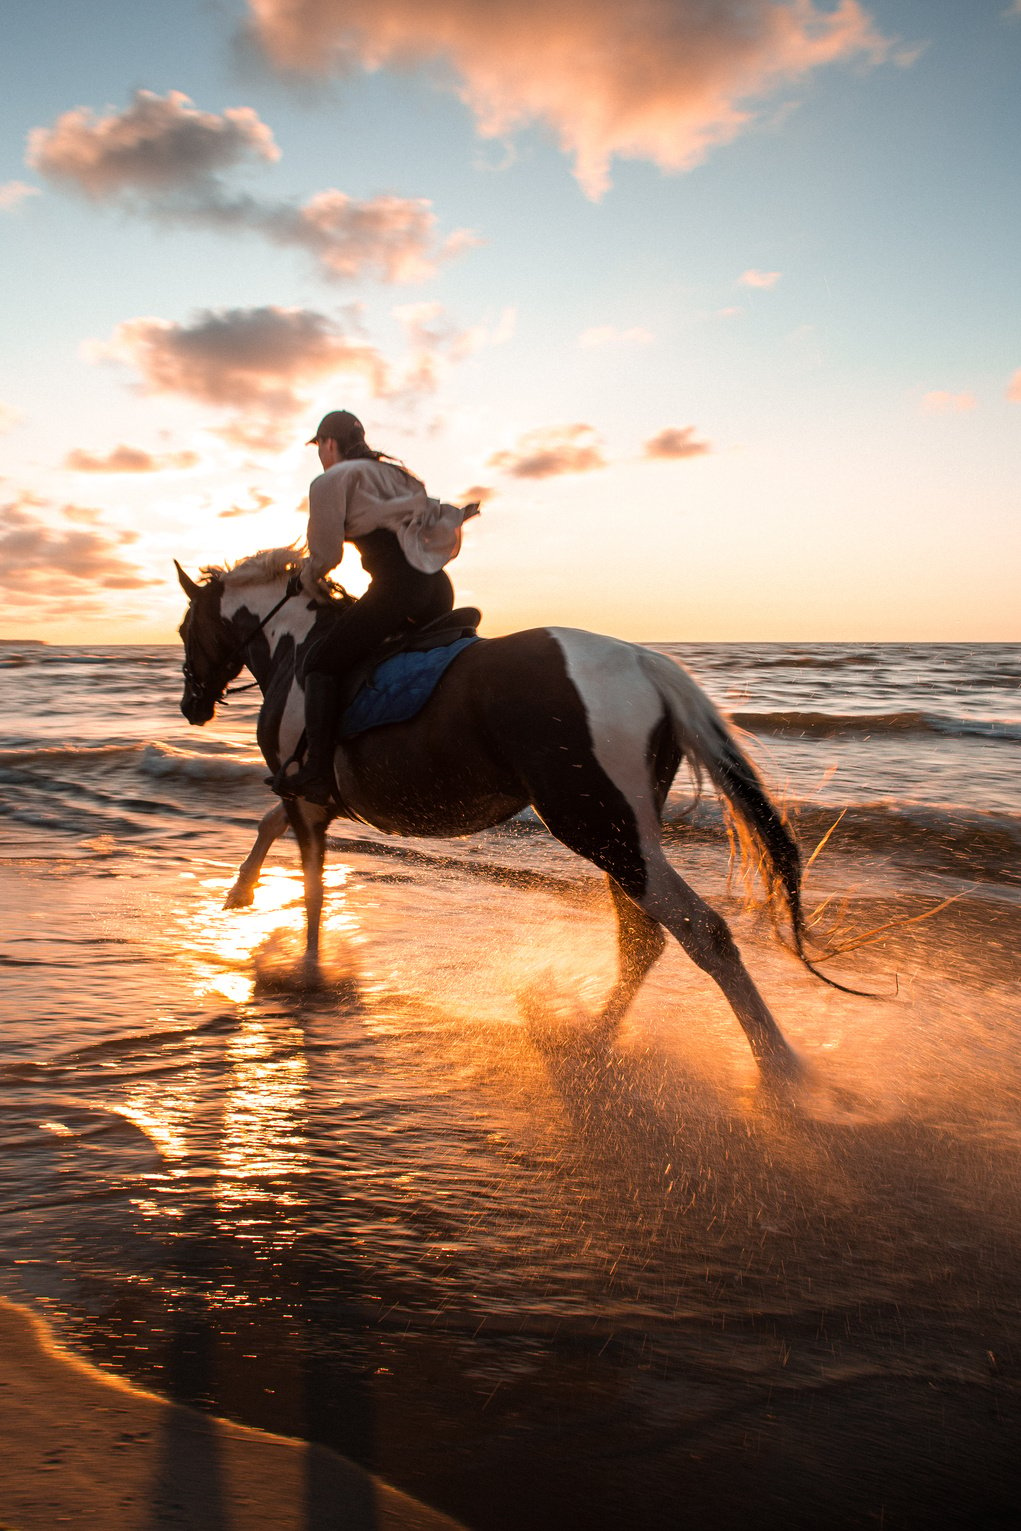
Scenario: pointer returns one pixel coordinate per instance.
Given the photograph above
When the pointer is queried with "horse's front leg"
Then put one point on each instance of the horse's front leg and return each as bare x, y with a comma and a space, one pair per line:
309, 825
271, 826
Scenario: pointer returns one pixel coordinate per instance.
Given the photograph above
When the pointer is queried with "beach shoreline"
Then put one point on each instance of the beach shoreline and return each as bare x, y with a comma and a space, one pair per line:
84, 1448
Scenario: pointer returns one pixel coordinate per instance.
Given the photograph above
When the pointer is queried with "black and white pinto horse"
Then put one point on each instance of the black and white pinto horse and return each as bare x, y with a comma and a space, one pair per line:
588, 730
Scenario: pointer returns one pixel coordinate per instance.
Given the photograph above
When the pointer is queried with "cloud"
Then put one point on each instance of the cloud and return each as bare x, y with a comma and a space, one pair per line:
435, 342
261, 362
81, 515
675, 442
551, 451
940, 402
8, 418
663, 80
1014, 386
13, 193
159, 144
261, 501
162, 158
391, 237
41, 559
609, 335
758, 278
124, 459
477, 494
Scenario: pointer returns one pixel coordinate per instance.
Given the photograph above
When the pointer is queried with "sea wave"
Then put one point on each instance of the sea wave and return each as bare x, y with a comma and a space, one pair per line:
67, 754
965, 844
971, 844
774, 661
162, 760
129, 789
216, 761
827, 725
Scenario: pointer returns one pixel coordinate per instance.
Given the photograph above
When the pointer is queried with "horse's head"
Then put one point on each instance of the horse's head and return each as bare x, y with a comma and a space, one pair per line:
212, 656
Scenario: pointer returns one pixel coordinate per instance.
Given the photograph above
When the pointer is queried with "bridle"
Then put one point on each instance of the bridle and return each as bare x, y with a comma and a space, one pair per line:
202, 690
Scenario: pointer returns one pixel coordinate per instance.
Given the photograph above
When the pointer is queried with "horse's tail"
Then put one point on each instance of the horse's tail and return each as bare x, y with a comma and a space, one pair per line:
765, 838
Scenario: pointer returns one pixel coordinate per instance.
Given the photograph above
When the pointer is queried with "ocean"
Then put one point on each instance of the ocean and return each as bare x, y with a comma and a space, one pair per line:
532, 1283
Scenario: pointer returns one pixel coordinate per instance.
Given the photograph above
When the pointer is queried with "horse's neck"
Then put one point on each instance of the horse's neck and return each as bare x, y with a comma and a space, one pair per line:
254, 600
251, 606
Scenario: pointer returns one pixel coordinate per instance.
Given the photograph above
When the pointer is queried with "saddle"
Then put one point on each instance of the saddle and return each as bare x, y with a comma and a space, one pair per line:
437, 634
394, 700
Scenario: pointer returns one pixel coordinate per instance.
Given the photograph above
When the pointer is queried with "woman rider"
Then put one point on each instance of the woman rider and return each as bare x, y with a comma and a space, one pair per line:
404, 539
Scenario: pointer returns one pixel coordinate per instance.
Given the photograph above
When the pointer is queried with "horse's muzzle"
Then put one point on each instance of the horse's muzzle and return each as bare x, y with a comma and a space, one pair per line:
197, 709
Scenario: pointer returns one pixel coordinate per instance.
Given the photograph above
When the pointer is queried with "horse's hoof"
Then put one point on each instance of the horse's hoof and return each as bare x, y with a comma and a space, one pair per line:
239, 897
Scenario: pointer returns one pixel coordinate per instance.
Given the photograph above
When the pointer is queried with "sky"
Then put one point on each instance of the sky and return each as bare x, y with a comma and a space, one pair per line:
713, 303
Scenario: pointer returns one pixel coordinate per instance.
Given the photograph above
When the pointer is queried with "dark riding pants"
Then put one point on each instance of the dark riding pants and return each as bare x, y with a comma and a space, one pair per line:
398, 596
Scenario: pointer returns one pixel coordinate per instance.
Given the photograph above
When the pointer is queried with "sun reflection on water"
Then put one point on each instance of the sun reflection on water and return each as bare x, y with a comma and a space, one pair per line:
263, 1134
248, 1112
225, 942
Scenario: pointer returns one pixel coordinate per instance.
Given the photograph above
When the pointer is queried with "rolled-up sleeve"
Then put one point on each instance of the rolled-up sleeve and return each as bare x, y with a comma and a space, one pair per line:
327, 521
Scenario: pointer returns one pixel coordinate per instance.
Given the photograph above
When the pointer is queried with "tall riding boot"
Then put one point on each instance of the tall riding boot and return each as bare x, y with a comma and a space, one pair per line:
325, 697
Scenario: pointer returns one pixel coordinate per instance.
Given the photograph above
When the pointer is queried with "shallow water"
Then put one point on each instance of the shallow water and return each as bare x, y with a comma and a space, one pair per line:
417, 1213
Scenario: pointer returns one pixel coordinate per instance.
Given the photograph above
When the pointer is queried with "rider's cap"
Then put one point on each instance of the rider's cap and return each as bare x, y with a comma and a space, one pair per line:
340, 425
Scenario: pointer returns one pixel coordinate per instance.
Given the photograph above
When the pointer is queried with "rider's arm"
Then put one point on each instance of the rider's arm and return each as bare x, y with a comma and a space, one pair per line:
327, 518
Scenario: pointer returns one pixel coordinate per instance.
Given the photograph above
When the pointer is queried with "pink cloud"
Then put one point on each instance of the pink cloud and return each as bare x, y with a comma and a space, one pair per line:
665, 81
122, 459
551, 451
1014, 386
261, 362
13, 193
477, 494
759, 278
158, 144
676, 442
259, 502
81, 515
392, 237
435, 343
162, 158
39, 559
941, 402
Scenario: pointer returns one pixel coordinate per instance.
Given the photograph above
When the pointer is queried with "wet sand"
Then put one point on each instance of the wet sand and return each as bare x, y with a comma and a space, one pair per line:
83, 1449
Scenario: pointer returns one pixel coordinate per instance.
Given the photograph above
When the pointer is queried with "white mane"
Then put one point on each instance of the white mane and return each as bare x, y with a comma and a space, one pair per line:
258, 568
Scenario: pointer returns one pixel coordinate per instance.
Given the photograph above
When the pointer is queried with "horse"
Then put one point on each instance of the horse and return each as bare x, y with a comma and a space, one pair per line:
589, 731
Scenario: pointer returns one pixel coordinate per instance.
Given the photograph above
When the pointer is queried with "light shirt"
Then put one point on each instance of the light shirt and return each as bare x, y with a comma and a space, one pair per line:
361, 495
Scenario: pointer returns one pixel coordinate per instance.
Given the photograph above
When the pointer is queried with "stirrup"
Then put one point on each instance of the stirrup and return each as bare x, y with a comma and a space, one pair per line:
313, 788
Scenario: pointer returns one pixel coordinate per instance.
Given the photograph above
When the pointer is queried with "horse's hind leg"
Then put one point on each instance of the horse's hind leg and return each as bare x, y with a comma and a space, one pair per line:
622, 839
272, 825
705, 936
640, 940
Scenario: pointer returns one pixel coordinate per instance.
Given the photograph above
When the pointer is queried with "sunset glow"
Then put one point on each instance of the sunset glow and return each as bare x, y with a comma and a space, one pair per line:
714, 306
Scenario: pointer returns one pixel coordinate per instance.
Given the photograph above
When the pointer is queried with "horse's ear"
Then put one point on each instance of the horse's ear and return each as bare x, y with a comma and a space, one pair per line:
188, 585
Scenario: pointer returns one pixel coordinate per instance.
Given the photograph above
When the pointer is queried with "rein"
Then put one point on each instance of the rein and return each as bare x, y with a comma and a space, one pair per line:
293, 587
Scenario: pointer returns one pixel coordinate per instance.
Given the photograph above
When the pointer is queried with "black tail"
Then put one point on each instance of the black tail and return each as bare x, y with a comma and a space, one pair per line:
765, 838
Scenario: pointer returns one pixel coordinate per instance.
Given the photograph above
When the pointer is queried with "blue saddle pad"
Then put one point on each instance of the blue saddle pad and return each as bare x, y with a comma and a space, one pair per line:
400, 687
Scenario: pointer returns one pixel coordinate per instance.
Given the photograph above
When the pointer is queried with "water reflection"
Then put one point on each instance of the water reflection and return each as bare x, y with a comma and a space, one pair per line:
264, 1119
225, 942
228, 1104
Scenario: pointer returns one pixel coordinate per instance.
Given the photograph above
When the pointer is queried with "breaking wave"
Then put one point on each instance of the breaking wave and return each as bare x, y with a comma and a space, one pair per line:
829, 725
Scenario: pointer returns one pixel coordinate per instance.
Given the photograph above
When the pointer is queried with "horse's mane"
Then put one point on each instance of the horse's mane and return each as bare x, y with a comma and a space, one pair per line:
257, 568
